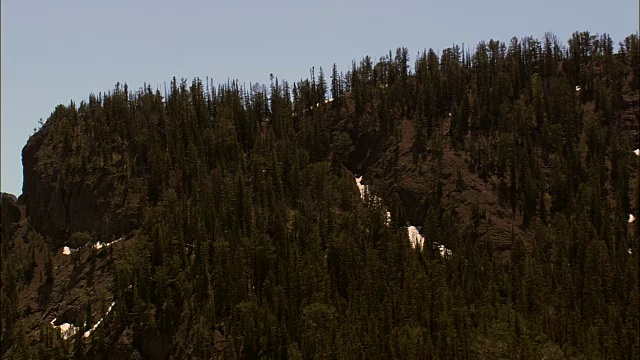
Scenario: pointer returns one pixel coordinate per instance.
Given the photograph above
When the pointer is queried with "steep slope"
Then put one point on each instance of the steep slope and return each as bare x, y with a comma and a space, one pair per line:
69, 189
235, 226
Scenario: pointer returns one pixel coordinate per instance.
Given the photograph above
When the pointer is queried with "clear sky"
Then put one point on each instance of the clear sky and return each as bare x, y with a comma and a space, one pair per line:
56, 51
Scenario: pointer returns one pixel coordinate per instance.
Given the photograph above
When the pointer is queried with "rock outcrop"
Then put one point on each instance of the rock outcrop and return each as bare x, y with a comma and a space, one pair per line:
64, 195
10, 215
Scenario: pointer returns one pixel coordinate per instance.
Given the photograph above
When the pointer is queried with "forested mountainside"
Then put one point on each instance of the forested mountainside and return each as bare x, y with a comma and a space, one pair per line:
225, 221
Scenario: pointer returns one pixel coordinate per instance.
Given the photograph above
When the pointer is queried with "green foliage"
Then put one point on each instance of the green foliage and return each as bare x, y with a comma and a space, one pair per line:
254, 242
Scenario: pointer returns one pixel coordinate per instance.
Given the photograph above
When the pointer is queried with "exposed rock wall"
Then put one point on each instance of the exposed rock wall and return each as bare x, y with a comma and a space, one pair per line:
10, 216
62, 197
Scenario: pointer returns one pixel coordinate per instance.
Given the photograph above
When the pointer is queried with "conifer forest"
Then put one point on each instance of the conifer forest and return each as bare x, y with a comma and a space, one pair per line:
478, 202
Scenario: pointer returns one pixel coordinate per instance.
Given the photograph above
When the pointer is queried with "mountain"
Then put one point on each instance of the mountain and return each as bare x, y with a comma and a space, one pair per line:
226, 222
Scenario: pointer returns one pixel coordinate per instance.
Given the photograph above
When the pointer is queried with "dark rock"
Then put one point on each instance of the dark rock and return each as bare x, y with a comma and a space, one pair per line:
10, 215
124, 349
154, 346
62, 197
8, 196
10, 210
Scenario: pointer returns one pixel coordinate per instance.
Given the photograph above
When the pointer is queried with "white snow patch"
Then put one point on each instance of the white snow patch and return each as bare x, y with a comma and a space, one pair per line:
93, 328
637, 152
631, 218
68, 251
413, 231
68, 330
361, 187
418, 240
415, 237
328, 100
442, 249
578, 88
100, 244
364, 189
629, 251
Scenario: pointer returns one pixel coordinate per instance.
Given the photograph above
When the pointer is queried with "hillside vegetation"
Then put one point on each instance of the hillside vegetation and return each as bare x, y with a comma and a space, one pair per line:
241, 232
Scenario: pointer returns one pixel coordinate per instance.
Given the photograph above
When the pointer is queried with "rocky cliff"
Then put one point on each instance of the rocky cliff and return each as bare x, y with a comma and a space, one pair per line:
62, 197
10, 215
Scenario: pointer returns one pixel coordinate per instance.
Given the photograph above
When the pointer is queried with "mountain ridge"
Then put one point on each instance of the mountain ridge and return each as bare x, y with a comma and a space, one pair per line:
242, 227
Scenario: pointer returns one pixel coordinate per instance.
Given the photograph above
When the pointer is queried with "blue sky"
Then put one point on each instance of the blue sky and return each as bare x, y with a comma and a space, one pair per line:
56, 51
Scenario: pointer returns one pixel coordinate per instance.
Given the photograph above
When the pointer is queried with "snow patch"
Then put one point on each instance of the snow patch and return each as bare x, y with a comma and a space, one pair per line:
415, 237
631, 218
364, 189
100, 244
68, 251
68, 330
418, 240
637, 152
361, 187
578, 88
444, 252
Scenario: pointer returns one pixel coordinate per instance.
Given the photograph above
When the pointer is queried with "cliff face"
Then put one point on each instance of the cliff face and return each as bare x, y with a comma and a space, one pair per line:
408, 184
45, 207
10, 216
62, 198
